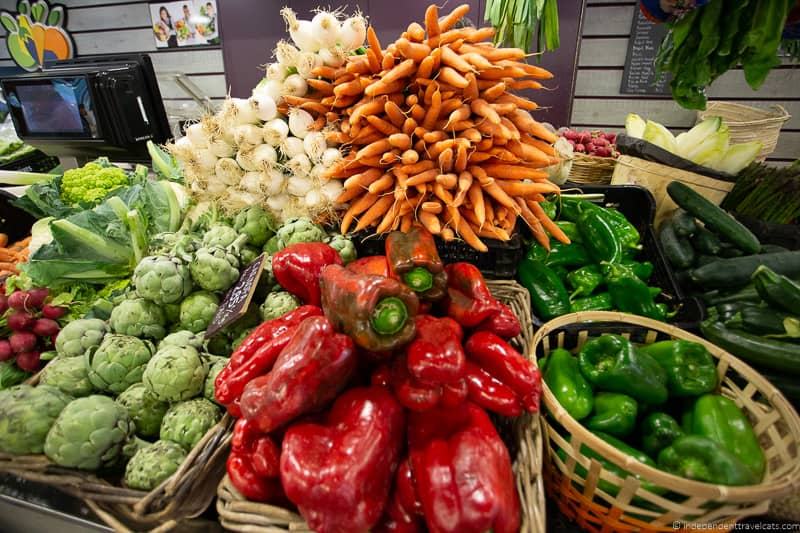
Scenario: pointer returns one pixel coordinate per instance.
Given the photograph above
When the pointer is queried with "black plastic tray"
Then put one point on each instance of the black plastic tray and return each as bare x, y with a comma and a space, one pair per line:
639, 207
14, 222
499, 262
650, 152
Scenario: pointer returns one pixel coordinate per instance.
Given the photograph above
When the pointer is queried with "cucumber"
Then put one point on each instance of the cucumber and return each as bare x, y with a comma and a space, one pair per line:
772, 249
706, 242
729, 251
737, 271
683, 223
759, 320
703, 259
679, 252
745, 294
714, 217
774, 354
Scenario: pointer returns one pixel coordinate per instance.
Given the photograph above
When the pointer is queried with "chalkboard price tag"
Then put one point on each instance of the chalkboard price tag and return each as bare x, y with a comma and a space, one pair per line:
236, 301
639, 76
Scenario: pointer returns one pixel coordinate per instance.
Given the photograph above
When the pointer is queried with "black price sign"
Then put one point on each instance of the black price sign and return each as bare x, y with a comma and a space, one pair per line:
236, 301
639, 76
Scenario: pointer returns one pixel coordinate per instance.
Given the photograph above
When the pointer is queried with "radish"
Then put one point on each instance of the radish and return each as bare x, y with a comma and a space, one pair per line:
22, 341
53, 312
36, 297
601, 141
3, 303
603, 151
20, 321
17, 300
580, 148
6, 352
590, 147
45, 327
28, 361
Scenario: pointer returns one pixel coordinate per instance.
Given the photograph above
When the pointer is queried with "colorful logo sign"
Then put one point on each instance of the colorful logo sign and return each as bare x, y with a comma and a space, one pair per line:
36, 35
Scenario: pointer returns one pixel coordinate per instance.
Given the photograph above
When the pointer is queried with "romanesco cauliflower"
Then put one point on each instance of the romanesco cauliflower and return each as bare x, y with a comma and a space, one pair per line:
91, 183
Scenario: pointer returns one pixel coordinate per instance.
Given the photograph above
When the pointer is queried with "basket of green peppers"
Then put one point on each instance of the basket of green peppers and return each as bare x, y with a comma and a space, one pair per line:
648, 424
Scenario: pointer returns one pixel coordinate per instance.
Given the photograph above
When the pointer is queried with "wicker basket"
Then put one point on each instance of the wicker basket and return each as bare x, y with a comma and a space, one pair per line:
238, 514
592, 169
634, 508
185, 494
747, 123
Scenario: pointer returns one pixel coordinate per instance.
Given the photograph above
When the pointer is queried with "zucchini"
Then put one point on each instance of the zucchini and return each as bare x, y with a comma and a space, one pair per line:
729, 251
747, 293
678, 251
761, 321
778, 291
706, 242
713, 217
772, 249
729, 310
683, 223
737, 271
703, 259
770, 353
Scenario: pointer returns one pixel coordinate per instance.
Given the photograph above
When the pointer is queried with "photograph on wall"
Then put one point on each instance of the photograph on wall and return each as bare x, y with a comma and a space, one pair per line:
185, 23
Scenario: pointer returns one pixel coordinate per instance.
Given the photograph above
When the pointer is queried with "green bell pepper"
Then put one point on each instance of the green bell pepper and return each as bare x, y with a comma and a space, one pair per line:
549, 297
570, 229
626, 232
719, 419
572, 208
560, 254
599, 236
612, 363
614, 414
584, 280
702, 459
598, 302
629, 293
690, 368
658, 430
643, 269
550, 209
565, 381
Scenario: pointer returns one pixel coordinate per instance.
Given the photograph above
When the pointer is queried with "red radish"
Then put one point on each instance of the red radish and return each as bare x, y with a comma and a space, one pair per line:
45, 327
585, 137
571, 142
20, 321
22, 341
612, 137
6, 352
603, 151
580, 148
36, 297
18, 300
53, 312
3, 303
590, 147
601, 141
28, 361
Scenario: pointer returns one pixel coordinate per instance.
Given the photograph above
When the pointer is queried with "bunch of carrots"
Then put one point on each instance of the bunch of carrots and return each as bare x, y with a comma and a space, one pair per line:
436, 134
11, 256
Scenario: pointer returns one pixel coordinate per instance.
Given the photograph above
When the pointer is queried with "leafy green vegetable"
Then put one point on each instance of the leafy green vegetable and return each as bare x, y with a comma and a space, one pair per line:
518, 21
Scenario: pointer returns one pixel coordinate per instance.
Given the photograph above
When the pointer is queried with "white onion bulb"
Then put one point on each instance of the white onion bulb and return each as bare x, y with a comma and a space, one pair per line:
300, 121
292, 146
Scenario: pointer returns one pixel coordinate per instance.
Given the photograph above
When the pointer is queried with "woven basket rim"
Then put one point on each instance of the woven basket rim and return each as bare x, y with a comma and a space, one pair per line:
766, 490
588, 158
779, 114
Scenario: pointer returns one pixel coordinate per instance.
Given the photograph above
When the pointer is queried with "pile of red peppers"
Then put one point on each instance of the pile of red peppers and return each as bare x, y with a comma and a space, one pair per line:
368, 407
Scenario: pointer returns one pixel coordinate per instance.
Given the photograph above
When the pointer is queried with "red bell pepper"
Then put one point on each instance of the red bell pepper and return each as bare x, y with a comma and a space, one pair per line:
373, 265
462, 472
504, 324
310, 371
469, 300
404, 512
490, 393
253, 465
258, 353
505, 364
339, 473
409, 391
298, 266
435, 356
376, 312
414, 261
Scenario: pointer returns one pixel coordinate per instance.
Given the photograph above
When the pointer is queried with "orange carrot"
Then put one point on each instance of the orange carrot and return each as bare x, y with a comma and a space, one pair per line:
548, 224
482, 108
471, 90
519, 188
452, 59
534, 224
432, 24
520, 102
356, 208
431, 137
431, 207
410, 50
382, 184
475, 195
540, 145
422, 177
430, 221
466, 232
378, 209
512, 172
450, 20
394, 113
451, 76
363, 180
433, 111
409, 157
374, 43
383, 126
460, 162
426, 67
368, 108
374, 149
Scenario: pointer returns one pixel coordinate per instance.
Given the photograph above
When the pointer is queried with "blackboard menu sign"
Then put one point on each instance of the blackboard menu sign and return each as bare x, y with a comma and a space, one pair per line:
236, 301
639, 76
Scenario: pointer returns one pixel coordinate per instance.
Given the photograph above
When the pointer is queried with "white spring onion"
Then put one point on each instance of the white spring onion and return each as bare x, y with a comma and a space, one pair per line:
248, 134
286, 54
215, 187
314, 198
184, 144
198, 135
300, 31
298, 186
252, 182
299, 165
330, 157
264, 156
244, 158
206, 160
228, 171
333, 57
295, 85
318, 171
292, 146
264, 105
239, 199
315, 145
332, 189
300, 121
325, 29
238, 111
274, 180
275, 132
276, 71
353, 32
278, 202
306, 61
220, 147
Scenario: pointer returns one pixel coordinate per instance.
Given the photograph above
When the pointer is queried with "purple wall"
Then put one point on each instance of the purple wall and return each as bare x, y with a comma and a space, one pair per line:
250, 29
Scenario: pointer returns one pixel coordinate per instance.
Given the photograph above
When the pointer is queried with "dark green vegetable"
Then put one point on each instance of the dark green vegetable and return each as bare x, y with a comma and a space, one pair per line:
690, 369
778, 291
549, 297
629, 293
598, 302
677, 249
683, 223
706, 242
702, 259
585, 280
756, 189
643, 269
658, 431
570, 229
568, 385
729, 251
728, 273
601, 240
713, 216
566, 255
764, 321
626, 232
748, 293
702, 459
727, 311
614, 413
772, 249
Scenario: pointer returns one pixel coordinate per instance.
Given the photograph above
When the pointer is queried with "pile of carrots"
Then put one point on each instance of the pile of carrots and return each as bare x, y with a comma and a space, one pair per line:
436, 135
12, 256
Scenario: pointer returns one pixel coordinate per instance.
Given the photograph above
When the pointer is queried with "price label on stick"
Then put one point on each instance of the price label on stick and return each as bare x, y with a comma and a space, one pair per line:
236, 301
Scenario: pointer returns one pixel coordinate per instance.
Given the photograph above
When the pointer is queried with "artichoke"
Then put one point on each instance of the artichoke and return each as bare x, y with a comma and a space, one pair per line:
181, 245
80, 335
240, 337
183, 338
198, 310
277, 304
172, 313
144, 409
345, 247
175, 373
297, 230
219, 345
248, 255
256, 223
272, 245
69, 375
89, 434
220, 235
214, 268
118, 362
26, 415
150, 466
208, 388
162, 279
187, 422
138, 317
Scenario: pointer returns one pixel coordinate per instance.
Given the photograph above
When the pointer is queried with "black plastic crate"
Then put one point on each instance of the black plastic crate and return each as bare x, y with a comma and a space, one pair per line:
33, 162
499, 262
14, 222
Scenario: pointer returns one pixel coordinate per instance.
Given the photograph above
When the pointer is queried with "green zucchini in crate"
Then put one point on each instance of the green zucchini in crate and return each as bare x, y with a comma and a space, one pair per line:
678, 250
736, 271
